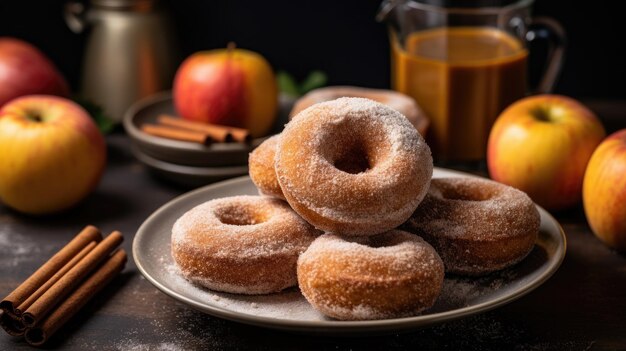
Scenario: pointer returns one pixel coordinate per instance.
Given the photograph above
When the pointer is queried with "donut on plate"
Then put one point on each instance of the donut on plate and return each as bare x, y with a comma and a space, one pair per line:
476, 225
353, 166
261, 168
241, 244
404, 104
389, 275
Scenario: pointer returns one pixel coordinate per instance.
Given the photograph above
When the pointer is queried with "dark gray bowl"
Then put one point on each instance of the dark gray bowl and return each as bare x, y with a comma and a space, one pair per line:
185, 153
188, 176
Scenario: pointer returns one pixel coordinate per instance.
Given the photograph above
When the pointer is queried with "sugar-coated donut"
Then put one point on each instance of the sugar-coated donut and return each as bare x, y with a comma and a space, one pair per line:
353, 166
261, 168
389, 275
404, 104
241, 244
476, 225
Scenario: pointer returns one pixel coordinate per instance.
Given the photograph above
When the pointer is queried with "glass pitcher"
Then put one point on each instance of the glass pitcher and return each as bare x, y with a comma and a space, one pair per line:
464, 64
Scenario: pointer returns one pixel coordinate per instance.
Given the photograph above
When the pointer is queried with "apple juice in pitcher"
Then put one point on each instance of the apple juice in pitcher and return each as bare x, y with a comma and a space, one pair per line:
464, 63
463, 78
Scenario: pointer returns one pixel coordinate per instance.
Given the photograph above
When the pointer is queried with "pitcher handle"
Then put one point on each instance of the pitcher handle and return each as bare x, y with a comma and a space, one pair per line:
75, 16
548, 29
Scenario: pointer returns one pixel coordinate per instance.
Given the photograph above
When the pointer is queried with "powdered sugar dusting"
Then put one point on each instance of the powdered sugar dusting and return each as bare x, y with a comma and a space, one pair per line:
129, 345
466, 219
464, 291
457, 292
242, 244
261, 166
288, 304
16, 249
393, 274
203, 228
318, 163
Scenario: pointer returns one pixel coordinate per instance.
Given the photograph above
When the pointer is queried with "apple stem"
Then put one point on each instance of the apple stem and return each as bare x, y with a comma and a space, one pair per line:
231, 46
35, 117
542, 114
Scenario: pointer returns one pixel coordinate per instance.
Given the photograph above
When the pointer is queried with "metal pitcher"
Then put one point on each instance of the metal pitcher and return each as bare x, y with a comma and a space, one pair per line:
130, 51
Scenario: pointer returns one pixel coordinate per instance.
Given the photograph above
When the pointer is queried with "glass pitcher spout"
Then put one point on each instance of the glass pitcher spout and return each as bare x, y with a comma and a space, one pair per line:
388, 10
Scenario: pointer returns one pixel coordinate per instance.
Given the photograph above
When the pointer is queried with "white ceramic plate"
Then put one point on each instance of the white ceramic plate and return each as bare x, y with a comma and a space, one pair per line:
289, 310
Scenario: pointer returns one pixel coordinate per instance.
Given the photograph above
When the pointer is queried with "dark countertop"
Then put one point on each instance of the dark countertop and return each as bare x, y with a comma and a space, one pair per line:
583, 306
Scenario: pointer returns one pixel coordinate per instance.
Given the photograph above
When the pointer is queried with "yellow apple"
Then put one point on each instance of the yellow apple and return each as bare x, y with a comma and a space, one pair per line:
541, 145
604, 191
51, 154
230, 86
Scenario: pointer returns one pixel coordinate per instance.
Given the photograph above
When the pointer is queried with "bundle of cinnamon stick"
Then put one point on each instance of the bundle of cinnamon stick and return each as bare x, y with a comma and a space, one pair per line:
197, 132
62, 286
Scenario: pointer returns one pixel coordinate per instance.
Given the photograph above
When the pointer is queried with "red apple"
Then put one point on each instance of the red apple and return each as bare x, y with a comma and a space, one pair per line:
51, 154
232, 87
604, 191
24, 70
541, 145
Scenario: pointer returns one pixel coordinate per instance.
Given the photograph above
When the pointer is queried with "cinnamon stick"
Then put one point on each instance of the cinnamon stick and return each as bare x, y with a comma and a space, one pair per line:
176, 133
45, 272
38, 335
217, 132
11, 324
45, 304
37, 294
241, 135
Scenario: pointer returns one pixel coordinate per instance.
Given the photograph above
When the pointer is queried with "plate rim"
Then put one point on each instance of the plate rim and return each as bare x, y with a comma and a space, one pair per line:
336, 326
187, 170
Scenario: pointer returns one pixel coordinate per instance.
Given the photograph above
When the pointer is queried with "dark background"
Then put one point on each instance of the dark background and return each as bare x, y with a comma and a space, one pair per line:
339, 37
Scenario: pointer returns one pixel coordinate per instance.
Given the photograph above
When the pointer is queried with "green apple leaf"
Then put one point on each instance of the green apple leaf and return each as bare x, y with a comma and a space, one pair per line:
287, 84
104, 123
102, 120
315, 79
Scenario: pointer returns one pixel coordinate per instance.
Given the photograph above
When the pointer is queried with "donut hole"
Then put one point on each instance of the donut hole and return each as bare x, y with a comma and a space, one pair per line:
352, 146
240, 215
353, 160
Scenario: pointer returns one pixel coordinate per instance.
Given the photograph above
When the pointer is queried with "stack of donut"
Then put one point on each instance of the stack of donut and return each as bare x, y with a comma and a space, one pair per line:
334, 187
